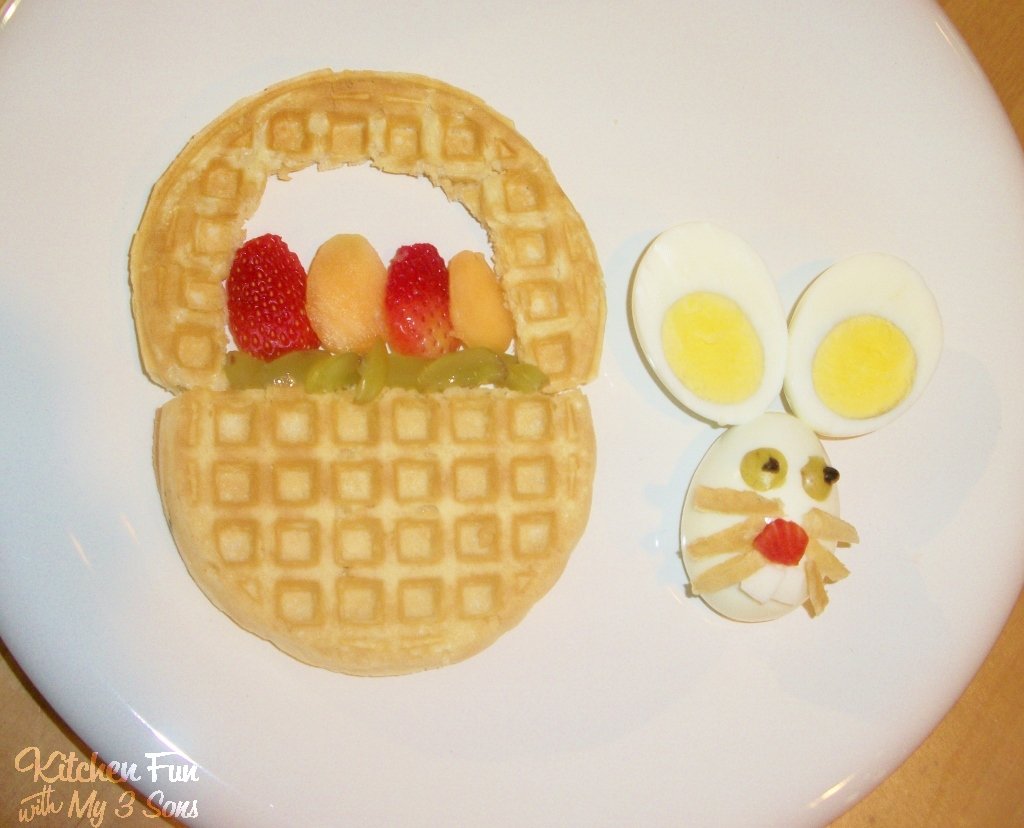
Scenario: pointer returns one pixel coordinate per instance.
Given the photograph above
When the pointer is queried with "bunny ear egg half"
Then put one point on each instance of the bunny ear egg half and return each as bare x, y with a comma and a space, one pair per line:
864, 340
708, 320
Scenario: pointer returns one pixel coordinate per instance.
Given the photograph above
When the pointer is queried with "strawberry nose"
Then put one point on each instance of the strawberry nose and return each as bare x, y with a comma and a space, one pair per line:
782, 541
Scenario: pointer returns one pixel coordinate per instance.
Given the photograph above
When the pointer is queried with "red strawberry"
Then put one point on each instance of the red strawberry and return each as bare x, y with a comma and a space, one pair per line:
267, 300
416, 303
782, 541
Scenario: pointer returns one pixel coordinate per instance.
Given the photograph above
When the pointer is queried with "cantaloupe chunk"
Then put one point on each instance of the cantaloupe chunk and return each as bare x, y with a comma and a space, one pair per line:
476, 303
345, 294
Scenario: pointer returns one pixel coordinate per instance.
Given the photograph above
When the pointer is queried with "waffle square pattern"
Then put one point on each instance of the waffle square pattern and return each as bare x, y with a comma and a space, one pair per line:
376, 539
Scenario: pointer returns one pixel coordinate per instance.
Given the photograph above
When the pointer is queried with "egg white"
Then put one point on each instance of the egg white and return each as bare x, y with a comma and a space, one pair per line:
700, 256
720, 467
867, 283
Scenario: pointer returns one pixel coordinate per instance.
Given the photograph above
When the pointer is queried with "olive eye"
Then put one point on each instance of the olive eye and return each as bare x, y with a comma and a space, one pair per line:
818, 477
763, 469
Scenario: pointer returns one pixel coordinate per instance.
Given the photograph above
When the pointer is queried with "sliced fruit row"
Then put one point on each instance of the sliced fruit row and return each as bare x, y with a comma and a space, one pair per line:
418, 304
319, 371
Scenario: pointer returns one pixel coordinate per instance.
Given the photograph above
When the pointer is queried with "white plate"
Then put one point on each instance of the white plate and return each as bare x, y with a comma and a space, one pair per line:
812, 129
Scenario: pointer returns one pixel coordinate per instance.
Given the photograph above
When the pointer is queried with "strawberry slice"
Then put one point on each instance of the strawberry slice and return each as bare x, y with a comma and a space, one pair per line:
782, 541
266, 299
416, 303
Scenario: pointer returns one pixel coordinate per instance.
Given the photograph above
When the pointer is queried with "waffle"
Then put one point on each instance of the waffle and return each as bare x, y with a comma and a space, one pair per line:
404, 124
410, 532
376, 539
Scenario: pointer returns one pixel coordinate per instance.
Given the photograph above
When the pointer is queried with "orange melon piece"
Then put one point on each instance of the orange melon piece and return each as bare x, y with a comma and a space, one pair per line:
345, 294
476, 303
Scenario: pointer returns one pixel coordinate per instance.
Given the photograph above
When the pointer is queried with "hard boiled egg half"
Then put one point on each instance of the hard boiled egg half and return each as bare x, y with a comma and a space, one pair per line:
864, 340
709, 322
760, 522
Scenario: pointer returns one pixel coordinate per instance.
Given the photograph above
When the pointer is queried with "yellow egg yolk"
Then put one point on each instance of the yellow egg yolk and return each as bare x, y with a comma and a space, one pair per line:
864, 367
712, 347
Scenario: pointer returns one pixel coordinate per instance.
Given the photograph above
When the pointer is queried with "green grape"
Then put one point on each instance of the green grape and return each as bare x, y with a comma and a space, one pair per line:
373, 371
466, 369
523, 377
818, 478
319, 371
291, 368
403, 371
763, 469
244, 371
332, 373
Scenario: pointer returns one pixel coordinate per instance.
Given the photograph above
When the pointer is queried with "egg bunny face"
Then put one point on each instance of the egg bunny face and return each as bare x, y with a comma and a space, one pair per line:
741, 551
760, 521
